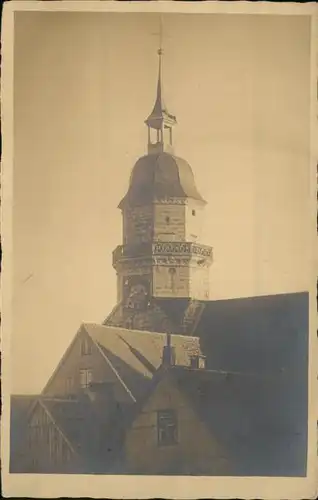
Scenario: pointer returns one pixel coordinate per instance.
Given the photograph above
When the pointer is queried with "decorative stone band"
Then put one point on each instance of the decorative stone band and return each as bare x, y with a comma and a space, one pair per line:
171, 201
181, 248
177, 201
162, 249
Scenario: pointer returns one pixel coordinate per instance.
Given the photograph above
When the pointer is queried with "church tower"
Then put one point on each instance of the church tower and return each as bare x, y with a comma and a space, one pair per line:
161, 259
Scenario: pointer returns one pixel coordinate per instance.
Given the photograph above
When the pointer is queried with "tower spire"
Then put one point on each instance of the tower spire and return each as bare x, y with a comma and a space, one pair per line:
160, 121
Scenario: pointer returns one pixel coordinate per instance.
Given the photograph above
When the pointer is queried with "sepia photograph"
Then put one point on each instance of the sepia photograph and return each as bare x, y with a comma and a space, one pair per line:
160, 231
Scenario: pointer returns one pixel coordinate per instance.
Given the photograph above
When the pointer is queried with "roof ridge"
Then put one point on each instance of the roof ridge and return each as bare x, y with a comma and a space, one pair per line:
117, 328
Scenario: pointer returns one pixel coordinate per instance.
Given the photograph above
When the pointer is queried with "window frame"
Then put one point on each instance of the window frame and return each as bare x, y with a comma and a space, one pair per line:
88, 379
86, 347
170, 416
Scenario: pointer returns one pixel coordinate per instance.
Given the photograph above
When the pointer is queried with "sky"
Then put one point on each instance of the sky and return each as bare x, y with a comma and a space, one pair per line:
84, 83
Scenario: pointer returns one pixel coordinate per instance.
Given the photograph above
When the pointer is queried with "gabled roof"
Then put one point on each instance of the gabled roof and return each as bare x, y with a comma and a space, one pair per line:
133, 356
141, 349
136, 355
250, 416
255, 418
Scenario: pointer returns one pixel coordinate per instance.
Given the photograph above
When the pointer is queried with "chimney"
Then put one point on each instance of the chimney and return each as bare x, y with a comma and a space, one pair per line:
169, 353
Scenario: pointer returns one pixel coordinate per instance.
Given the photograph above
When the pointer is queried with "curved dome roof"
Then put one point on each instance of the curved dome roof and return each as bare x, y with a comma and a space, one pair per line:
160, 176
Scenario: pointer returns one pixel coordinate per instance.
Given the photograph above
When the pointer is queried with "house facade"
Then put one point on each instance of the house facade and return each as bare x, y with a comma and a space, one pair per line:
168, 436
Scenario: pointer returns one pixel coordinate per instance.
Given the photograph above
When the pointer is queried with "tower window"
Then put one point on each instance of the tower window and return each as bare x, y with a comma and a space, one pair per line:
167, 428
193, 212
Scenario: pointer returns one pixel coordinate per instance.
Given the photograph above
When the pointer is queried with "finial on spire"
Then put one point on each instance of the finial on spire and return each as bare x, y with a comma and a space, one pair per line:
160, 119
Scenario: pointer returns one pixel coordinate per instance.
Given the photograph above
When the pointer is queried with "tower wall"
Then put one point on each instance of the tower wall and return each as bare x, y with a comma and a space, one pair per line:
171, 280
194, 216
169, 222
137, 225
199, 282
132, 270
161, 255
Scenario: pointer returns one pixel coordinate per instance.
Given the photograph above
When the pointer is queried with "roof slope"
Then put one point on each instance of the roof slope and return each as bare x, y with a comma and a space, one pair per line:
160, 176
247, 415
257, 334
136, 355
251, 417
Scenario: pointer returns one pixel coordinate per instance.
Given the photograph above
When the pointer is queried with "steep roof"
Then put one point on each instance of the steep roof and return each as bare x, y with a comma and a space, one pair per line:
256, 334
248, 416
160, 114
136, 355
251, 417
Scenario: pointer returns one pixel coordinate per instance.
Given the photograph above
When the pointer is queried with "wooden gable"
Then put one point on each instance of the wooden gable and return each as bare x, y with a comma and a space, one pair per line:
82, 363
196, 450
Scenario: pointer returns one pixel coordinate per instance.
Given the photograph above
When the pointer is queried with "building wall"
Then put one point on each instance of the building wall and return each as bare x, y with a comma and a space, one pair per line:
66, 380
196, 452
46, 449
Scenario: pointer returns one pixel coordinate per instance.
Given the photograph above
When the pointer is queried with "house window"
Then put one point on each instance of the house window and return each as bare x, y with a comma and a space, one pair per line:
193, 212
69, 383
86, 347
167, 428
167, 219
86, 377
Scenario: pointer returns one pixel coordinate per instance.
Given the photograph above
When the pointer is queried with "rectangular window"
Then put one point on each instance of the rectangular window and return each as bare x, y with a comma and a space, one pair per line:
69, 385
167, 427
86, 377
86, 347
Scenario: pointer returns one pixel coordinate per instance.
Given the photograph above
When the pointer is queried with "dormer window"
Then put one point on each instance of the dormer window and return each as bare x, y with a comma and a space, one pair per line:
197, 362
